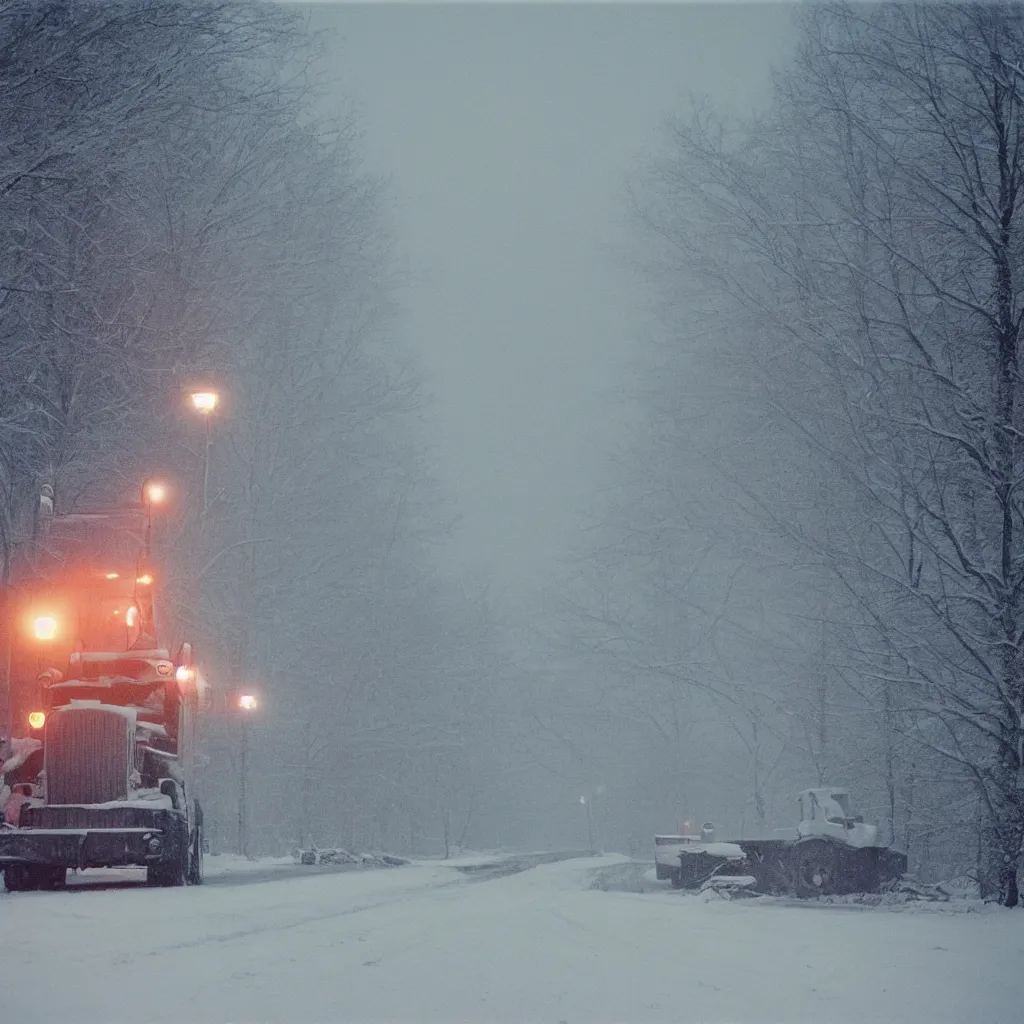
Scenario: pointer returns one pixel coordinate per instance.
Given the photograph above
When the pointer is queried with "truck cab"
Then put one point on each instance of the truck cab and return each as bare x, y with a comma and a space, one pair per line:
113, 744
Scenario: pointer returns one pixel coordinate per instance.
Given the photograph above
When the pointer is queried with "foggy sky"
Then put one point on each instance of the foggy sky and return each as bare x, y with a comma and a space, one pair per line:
507, 134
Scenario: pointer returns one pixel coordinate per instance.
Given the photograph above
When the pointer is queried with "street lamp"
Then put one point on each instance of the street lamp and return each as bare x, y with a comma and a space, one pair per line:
154, 494
44, 627
590, 823
205, 403
247, 704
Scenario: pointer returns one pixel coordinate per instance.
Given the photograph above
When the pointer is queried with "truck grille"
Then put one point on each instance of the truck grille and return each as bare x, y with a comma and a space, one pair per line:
87, 817
87, 756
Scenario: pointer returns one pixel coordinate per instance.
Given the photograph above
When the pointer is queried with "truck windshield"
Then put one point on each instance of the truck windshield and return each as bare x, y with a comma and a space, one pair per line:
108, 624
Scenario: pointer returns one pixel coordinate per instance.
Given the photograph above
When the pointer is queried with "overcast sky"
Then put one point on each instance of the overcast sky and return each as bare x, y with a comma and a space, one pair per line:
507, 133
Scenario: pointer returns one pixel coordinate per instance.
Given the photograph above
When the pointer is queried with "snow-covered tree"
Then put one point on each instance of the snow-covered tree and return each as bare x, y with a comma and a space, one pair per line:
859, 253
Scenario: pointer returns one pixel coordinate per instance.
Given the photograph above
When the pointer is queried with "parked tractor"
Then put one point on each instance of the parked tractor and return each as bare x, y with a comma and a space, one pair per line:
829, 852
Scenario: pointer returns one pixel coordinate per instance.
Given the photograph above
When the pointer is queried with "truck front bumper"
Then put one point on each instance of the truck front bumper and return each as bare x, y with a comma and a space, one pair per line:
83, 848
74, 836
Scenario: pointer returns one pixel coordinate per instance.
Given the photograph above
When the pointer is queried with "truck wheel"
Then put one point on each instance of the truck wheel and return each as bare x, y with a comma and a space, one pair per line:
169, 873
817, 869
19, 878
51, 877
195, 860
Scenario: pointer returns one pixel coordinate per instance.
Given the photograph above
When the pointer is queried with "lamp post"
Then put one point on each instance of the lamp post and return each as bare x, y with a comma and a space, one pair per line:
247, 704
590, 823
205, 403
154, 494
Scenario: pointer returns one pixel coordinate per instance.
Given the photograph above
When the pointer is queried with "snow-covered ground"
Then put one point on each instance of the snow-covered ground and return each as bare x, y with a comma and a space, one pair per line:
431, 942
233, 863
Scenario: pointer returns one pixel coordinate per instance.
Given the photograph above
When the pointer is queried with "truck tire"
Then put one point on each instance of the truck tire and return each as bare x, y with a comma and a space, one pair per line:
19, 878
195, 859
816, 864
48, 877
28, 877
168, 874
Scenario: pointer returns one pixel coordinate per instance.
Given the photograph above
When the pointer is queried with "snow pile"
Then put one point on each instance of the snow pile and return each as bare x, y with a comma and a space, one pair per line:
731, 885
215, 865
338, 855
727, 851
22, 750
632, 876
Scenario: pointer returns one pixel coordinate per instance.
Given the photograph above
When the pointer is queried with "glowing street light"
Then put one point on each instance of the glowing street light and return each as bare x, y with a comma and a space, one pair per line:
154, 492
204, 402
45, 627
36, 719
247, 702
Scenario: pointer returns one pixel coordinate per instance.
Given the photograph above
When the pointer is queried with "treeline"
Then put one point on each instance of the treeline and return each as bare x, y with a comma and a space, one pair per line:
176, 209
814, 568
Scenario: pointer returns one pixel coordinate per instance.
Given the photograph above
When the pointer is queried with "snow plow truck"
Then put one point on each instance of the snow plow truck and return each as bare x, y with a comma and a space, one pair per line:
830, 852
98, 770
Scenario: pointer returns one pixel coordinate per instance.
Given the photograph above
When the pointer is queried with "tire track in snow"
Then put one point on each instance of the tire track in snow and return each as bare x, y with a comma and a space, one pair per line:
515, 864
277, 924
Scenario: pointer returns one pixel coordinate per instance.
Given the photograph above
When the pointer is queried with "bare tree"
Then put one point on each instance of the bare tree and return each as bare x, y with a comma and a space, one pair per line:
869, 236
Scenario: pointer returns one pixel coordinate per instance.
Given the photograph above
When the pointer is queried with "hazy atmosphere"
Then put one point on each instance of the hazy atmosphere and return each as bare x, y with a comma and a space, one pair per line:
507, 134
511, 511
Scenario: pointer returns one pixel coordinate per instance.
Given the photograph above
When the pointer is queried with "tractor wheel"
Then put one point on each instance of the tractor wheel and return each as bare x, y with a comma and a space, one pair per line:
817, 869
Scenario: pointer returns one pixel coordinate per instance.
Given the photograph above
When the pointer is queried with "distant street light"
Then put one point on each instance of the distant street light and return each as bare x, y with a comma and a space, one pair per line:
154, 494
205, 403
36, 719
247, 704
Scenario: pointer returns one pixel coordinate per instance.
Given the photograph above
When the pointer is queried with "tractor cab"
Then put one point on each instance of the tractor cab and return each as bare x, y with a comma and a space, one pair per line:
825, 812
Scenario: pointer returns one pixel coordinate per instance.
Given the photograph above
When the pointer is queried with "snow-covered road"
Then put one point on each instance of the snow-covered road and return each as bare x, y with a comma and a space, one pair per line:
428, 942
